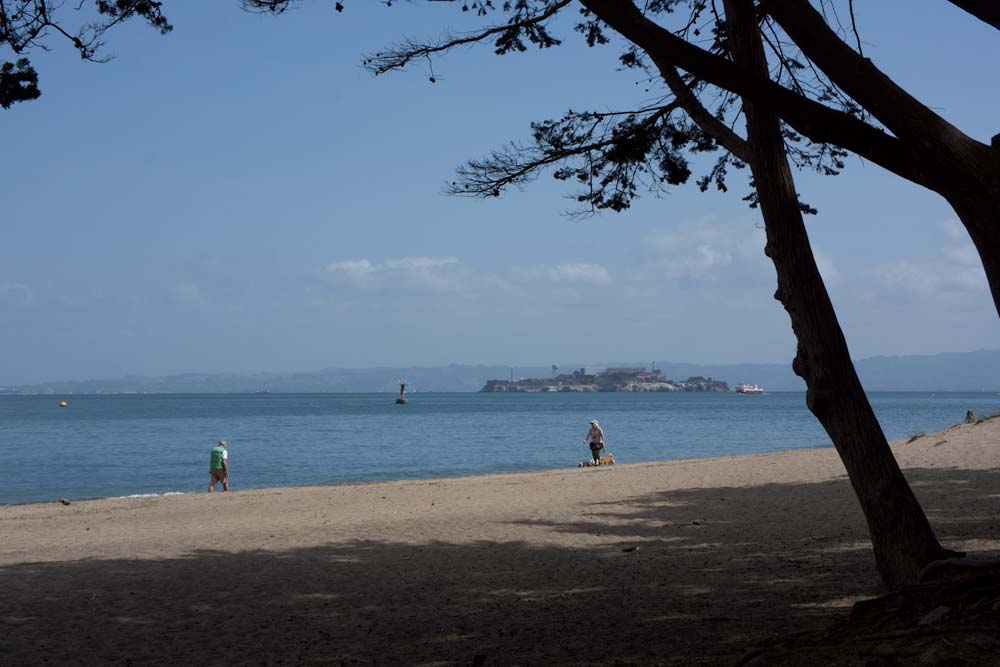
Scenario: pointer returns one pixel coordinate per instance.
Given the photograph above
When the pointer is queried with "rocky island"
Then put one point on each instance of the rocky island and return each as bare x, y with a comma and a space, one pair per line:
610, 379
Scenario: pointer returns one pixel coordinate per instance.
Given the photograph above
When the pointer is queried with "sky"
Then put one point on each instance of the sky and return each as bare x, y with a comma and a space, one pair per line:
242, 196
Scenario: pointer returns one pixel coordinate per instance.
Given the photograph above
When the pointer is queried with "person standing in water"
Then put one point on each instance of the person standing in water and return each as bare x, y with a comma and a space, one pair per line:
218, 468
596, 438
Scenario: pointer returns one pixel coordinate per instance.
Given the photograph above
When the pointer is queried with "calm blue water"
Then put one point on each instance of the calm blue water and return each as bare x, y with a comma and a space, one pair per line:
103, 446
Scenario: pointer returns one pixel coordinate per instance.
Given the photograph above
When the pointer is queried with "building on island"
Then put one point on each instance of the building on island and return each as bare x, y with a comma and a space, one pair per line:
612, 379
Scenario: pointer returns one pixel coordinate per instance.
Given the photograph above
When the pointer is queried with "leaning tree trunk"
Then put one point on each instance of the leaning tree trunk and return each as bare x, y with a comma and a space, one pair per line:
981, 217
902, 538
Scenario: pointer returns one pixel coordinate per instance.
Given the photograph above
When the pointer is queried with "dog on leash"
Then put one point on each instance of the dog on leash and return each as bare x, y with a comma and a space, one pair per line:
608, 460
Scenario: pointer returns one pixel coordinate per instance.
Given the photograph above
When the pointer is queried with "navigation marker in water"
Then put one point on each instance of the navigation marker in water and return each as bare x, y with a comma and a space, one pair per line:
402, 393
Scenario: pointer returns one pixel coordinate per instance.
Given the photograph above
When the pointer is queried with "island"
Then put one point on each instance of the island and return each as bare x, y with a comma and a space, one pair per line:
609, 379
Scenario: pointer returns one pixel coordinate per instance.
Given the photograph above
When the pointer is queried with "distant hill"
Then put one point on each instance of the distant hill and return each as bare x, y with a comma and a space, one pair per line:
454, 377
957, 371
950, 371
954, 371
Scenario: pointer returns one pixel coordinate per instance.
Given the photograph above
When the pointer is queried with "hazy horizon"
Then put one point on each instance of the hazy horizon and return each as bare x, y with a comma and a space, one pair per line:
543, 368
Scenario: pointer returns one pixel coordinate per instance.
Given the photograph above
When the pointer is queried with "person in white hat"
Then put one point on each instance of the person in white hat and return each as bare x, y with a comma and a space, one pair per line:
596, 438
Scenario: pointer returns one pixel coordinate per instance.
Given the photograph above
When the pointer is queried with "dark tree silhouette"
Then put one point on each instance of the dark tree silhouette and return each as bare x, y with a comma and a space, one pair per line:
795, 110
26, 25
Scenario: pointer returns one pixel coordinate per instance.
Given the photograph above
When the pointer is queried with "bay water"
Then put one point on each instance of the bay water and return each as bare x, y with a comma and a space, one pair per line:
119, 445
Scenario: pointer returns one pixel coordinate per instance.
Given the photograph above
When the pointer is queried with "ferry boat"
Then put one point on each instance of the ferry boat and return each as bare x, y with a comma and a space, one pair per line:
749, 389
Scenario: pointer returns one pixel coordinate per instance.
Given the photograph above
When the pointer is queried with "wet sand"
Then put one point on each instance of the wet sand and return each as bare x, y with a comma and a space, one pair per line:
671, 563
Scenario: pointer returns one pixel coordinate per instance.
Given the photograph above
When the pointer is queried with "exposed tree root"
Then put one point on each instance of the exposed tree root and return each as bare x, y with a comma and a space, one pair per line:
951, 619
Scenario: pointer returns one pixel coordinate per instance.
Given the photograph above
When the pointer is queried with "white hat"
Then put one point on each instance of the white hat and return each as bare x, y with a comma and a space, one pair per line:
594, 422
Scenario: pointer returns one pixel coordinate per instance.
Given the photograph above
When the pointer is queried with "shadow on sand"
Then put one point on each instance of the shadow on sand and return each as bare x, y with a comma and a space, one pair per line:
715, 571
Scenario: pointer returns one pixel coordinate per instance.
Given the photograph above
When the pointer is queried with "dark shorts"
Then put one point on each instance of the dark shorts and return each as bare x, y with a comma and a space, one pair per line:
596, 446
218, 475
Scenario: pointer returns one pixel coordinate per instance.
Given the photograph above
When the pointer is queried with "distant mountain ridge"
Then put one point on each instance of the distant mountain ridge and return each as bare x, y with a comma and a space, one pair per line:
951, 371
948, 371
454, 377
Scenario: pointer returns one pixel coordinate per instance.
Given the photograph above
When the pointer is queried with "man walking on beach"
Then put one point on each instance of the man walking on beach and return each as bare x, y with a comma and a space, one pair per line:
219, 467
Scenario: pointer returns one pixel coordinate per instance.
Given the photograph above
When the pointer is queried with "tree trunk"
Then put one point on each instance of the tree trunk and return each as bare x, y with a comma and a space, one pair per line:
981, 217
902, 538
985, 10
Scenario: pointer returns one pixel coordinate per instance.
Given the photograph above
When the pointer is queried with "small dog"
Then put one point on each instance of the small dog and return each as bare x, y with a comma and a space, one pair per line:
608, 460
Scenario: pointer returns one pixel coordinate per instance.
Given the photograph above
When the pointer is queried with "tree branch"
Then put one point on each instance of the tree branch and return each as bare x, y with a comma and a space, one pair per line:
708, 123
400, 56
816, 121
486, 178
900, 112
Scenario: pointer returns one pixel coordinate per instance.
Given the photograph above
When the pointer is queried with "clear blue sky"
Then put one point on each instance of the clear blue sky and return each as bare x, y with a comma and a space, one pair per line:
241, 196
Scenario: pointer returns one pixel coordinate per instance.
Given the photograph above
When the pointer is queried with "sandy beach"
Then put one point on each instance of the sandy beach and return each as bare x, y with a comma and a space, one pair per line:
672, 563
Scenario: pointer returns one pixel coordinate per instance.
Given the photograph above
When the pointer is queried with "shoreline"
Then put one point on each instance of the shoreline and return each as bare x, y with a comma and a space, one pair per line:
676, 562
395, 392
372, 451
165, 494
708, 459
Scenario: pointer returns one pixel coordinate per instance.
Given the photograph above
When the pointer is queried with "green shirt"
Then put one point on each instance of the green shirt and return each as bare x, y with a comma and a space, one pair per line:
218, 454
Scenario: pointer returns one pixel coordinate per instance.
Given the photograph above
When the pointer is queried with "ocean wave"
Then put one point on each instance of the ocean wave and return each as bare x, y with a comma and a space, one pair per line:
149, 495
